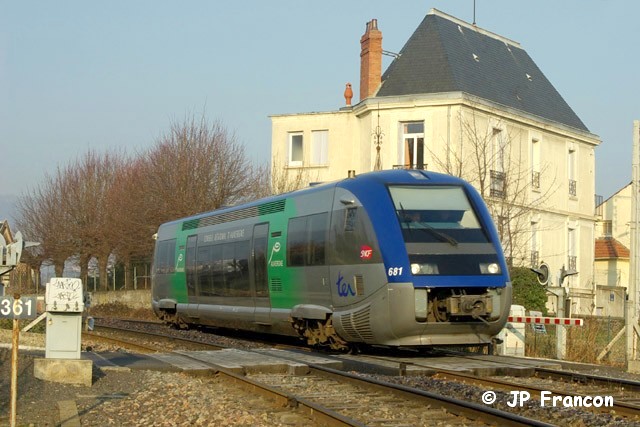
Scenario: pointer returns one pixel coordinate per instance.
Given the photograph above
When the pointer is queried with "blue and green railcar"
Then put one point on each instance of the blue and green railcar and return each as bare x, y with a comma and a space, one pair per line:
398, 258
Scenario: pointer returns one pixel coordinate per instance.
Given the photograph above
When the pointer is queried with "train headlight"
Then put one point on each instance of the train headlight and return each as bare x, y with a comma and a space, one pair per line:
489, 268
425, 268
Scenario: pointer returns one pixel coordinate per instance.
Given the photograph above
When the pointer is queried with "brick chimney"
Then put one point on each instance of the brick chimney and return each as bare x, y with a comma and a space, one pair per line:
370, 59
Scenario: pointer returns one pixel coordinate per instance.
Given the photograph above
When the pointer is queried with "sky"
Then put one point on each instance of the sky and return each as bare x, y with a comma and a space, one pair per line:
81, 75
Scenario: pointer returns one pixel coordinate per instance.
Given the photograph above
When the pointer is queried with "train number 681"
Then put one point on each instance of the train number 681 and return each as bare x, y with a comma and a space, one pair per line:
394, 271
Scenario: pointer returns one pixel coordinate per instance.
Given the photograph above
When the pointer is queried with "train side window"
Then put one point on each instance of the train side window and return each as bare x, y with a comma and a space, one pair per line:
166, 257
260, 234
205, 271
306, 240
160, 256
217, 270
350, 219
296, 241
351, 231
190, 264
317, 239
237, 273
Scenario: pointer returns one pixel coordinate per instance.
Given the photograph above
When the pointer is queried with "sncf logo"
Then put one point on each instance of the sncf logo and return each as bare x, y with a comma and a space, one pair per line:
365, 252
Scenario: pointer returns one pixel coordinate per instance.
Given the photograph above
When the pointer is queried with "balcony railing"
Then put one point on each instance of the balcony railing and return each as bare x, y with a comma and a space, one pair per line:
573, 187
535, 179
572, 262
535, 258
412, 166
497, 188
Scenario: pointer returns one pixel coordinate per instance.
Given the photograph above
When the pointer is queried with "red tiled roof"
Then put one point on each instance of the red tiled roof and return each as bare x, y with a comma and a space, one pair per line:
608, 247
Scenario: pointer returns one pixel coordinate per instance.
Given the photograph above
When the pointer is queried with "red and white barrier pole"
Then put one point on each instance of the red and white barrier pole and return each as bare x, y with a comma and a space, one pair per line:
565, 321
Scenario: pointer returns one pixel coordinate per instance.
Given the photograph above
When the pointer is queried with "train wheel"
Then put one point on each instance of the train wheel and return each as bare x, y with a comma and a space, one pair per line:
320, 333
171, 318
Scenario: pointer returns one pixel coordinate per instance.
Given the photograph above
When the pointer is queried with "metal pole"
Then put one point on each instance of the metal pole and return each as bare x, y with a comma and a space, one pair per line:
14, 369
631, 314
561, 332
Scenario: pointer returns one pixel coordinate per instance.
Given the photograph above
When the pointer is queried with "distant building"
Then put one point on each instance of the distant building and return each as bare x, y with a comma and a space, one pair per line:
462, 100
611, 267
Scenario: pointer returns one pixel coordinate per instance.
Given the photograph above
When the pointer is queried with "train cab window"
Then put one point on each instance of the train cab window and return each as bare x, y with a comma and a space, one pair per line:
436, 214
165, 257
306, 240
442, 233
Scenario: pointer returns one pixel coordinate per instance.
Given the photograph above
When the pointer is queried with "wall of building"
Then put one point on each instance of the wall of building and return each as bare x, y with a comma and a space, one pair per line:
610, 301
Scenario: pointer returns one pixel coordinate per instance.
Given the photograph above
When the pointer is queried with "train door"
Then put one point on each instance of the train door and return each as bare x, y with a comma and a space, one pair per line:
259, 273
192, 275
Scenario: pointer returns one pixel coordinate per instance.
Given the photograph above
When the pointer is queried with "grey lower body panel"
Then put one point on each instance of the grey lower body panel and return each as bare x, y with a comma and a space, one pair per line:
388, 318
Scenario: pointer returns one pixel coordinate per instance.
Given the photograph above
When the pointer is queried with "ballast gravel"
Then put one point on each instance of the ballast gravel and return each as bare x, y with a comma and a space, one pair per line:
138, 398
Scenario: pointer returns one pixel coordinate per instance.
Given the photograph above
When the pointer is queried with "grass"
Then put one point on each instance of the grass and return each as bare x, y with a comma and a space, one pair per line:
583, 343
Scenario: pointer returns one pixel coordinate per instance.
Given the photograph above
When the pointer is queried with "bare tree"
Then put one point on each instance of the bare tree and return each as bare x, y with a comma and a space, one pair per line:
105, 204
279, 178
133, 216
42, 217
197, 167
89, 180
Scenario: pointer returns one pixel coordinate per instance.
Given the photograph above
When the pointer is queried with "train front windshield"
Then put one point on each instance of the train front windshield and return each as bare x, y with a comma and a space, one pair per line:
442, 232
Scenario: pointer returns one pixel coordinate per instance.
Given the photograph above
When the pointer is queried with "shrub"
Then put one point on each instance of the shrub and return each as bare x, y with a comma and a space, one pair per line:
527, 291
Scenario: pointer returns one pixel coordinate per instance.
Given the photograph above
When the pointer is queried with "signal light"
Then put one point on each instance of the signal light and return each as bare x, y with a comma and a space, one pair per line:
543, 273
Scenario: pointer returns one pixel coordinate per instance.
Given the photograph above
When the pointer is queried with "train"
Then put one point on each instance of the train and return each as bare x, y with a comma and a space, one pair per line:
394, 258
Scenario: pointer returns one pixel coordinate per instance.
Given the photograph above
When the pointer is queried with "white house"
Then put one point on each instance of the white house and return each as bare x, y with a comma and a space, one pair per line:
462, 100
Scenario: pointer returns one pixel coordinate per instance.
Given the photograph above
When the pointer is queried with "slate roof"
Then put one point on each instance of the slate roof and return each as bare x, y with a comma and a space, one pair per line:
445, 54
610, 248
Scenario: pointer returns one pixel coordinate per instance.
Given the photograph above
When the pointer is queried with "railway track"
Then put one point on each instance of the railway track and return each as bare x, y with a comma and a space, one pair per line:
366, 401
553, 384
137, 340
338, 398
619, 407
625, 406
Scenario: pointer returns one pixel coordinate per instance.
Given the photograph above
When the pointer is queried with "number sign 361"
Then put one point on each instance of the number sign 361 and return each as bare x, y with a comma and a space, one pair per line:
23, 308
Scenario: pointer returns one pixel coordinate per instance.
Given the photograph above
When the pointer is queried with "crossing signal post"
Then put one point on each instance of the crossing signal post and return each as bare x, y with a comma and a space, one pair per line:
543, 273
10, 253
560, 292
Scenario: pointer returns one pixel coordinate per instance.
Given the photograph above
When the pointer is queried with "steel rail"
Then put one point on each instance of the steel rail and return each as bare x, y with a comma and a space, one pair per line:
326, 415
157, 335
619, 408
122, 342
583, 378
458, 407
